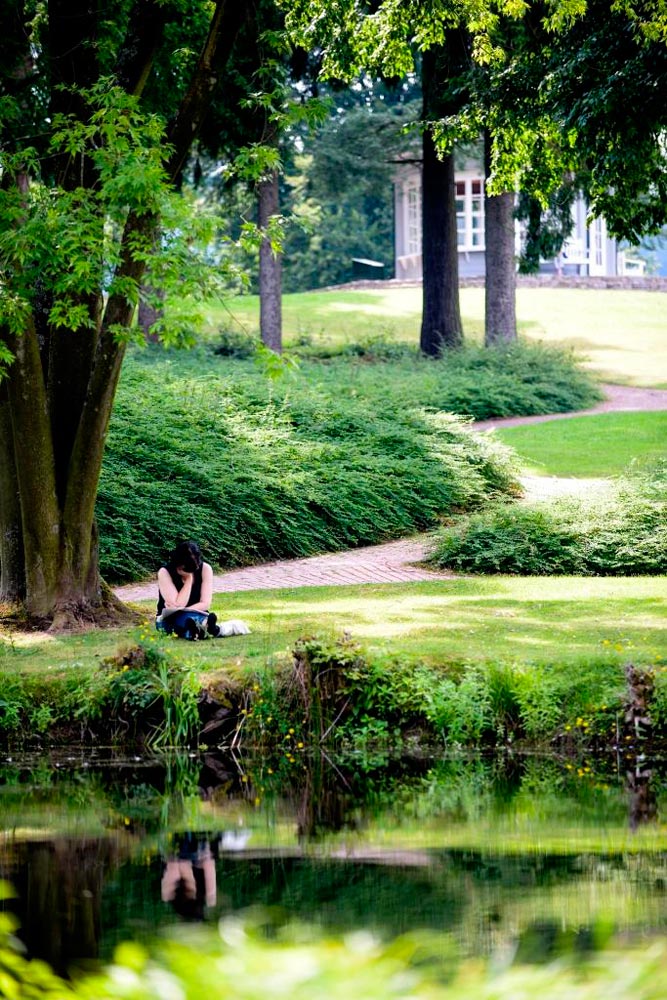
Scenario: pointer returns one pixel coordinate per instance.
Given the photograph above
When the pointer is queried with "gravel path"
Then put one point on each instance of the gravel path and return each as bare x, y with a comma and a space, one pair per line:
398, 562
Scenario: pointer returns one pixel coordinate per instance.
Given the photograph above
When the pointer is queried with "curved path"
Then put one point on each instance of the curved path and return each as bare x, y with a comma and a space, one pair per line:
398, 562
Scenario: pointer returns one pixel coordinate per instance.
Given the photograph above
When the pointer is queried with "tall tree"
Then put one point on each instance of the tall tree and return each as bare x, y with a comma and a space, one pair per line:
270, 264
249, 133
500, 260
441, 314
87, 167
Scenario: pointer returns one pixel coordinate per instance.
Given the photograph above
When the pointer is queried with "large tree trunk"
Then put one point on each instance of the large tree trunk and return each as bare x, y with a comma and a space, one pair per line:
441, 317
12, 565
270, 267
500, 302
56, 402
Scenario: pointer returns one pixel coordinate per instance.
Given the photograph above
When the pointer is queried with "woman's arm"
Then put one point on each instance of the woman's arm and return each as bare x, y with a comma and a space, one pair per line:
174, 598
204, 602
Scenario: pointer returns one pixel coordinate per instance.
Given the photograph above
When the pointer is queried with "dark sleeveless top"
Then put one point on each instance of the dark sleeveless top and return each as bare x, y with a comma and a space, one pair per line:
195, 593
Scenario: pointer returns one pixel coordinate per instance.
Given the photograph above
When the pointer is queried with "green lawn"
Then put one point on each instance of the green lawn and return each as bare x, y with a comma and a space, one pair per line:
564, 621
621, 333
604, 444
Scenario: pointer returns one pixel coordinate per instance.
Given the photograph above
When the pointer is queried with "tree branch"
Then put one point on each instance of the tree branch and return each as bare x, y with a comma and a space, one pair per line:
136, 57
225, 25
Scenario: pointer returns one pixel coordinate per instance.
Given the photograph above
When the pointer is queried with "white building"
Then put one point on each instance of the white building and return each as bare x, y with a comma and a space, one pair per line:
588, 251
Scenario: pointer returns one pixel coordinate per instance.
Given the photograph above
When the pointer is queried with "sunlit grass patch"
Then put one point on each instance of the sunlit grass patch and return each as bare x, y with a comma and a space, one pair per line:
620, 332
603, 444
563, 620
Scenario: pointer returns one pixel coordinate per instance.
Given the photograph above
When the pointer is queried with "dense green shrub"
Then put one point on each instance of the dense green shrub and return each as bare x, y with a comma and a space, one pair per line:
624, 534
258, 471
347, 452
504, 381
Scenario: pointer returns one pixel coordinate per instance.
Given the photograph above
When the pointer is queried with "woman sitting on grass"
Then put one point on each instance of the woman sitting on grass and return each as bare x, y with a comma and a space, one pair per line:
185, 585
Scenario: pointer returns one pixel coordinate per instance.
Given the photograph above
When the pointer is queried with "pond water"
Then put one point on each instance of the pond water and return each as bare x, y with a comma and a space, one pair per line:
521, 855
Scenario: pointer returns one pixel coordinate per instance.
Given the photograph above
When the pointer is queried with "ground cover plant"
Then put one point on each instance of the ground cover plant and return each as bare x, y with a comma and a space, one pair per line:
622, 533
619, 332
342, 453
603, 444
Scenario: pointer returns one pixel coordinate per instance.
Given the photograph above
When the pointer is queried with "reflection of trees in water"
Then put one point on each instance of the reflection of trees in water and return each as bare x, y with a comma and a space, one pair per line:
70, 888
642, 799
59, 886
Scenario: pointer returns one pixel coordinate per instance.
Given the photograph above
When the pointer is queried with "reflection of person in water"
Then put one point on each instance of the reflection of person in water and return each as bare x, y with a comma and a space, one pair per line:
188, 879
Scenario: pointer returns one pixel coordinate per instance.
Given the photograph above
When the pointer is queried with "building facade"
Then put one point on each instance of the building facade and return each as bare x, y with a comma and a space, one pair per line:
588, 251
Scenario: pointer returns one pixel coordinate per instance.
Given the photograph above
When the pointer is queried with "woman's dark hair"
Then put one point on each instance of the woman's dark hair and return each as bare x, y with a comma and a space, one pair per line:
186, 554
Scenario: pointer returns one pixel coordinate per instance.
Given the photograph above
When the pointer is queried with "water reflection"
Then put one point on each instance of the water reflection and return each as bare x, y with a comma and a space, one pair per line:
524, 854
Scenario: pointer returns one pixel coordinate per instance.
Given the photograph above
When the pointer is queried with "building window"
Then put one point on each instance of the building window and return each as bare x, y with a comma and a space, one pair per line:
598, 243
470, 213
414, 242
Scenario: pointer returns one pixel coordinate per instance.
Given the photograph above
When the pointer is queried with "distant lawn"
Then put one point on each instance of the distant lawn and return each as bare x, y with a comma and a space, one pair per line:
569, 622
601, 445
622, 333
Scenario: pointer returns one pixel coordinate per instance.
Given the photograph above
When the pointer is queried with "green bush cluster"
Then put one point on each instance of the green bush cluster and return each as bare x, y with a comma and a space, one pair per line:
33, 706
624, 534
152, 693
507, 380
257, 472
143, 693
344, 453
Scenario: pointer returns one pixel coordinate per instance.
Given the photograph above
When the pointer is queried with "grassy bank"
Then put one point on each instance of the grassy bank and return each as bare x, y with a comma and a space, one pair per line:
459, 660
621, 333
529, 620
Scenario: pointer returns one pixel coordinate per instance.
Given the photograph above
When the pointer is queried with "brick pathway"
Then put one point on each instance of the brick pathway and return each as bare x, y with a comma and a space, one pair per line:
397, 562
388, 563
618, 398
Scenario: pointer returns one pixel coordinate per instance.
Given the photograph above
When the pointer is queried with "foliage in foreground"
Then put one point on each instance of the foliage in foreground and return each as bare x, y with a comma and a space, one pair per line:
621, 535
250, 959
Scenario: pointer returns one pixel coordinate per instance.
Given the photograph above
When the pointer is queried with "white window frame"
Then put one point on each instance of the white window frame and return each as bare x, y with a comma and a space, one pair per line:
469, 212
413, 219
